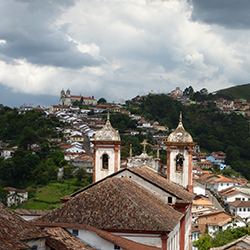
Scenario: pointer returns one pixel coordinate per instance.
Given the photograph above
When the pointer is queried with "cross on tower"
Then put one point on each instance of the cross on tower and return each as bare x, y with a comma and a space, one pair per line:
144, 144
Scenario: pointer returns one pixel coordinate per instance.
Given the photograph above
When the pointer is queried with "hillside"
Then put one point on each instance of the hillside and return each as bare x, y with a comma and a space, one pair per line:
236, 92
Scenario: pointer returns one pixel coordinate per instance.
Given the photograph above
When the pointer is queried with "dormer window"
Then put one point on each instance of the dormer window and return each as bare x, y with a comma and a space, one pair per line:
170, 200
105, 161
179, 162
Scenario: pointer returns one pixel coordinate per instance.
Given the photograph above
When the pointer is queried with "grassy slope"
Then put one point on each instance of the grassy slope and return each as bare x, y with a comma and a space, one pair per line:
48, 197
236, 92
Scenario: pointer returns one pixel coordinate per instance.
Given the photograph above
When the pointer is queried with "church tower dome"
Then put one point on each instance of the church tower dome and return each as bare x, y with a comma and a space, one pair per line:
107, 133
180, 134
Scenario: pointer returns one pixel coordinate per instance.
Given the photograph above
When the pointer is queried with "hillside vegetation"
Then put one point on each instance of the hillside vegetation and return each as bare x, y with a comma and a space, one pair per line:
211, 129
236, 92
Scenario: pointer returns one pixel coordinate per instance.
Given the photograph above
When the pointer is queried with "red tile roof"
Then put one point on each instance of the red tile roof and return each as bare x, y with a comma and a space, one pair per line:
36, 212
240, 203
129, 206
61, 239
225, 179
14, 230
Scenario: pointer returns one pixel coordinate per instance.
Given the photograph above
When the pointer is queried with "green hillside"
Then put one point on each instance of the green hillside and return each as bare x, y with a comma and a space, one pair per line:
236, 92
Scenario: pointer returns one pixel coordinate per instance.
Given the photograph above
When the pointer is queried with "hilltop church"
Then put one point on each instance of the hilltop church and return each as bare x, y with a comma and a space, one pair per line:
66, 99
137, 204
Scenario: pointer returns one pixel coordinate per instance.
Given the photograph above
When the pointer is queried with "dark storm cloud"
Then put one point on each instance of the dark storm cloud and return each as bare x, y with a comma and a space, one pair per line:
232, 14
17, 99
31, 33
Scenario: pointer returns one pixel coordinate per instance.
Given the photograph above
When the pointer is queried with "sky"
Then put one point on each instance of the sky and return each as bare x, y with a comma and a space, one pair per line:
118, 49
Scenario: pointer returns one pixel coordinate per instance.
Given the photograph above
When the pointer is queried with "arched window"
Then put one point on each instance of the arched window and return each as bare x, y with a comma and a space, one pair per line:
179, 162
105, 161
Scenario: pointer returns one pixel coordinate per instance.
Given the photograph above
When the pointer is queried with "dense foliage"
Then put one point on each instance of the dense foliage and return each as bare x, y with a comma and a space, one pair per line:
236, 92
220, 238
28, 166
211, 129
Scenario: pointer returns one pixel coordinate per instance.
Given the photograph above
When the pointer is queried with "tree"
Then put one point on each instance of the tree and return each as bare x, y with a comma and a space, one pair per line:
68, 171
102, 101
28, 137
204, 91
189, 91
204, 242
80, 174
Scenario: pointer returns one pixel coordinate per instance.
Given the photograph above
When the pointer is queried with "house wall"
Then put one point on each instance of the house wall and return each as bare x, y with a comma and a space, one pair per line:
218, 186
199, 190
233, 197
194, 236
146, 239
40, 243
214, 228
243, 212
174, 238
94, 240
211, 219
188, 221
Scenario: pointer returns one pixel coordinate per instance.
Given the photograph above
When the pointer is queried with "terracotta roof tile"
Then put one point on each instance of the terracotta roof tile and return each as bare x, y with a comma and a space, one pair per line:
22, 211
239, 203
63, 240
225, 179
130, 207
202, 202
14, 229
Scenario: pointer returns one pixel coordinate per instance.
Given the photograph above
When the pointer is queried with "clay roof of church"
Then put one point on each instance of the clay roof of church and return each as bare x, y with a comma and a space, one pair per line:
63, 240
158, 180
14, 230
116, 204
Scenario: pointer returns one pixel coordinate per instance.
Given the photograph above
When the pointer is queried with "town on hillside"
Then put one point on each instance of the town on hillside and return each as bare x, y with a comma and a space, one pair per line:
142, 184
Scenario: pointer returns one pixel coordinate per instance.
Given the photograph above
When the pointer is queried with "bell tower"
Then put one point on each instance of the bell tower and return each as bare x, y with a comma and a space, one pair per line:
107, 151
179, 152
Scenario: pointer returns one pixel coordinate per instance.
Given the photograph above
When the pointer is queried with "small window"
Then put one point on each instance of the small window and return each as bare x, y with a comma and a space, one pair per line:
227, 184
179, 162
75, 232
116, 247
240, 209
35, 247
244, 209
105, 161
221, 184
170, 200
248, 209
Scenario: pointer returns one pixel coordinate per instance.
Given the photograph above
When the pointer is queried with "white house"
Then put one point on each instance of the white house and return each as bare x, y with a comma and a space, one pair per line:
8, 152
195, 233
240, 208
235, 195
223, 183
16, 196
199, 189
223, 225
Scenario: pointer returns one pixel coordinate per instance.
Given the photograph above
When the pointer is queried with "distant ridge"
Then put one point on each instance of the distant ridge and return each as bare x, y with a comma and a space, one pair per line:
236, 92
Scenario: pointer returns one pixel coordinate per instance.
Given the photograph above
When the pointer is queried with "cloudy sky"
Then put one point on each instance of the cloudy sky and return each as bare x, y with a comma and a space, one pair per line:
118, 49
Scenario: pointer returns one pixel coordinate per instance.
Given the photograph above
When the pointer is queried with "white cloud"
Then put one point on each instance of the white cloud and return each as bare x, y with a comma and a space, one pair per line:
119, 49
